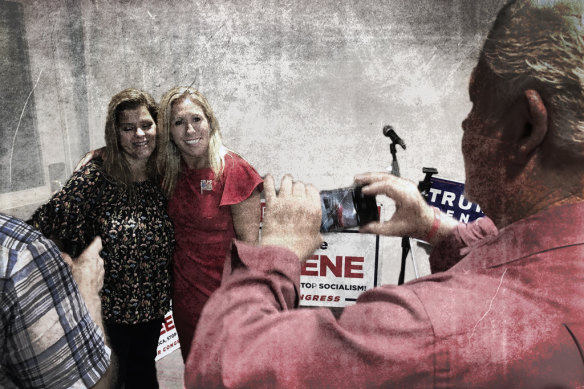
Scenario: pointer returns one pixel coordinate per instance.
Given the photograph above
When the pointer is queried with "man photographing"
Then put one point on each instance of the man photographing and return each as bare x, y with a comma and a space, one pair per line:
506, 305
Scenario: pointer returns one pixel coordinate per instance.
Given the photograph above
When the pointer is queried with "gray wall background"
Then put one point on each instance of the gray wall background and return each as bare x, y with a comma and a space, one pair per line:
301, 87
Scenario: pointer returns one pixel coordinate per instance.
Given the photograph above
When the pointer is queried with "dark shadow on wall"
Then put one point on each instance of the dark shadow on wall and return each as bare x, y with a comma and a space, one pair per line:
20, 152
75, 47
21, 161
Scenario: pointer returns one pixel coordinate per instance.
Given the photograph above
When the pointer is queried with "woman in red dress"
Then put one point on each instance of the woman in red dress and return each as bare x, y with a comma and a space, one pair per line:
214, 196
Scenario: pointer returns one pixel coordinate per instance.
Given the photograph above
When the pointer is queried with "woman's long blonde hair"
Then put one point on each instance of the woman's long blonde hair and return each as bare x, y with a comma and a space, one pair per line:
168, 155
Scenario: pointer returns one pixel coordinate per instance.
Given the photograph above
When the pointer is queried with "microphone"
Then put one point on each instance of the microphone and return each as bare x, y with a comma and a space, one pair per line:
390, 133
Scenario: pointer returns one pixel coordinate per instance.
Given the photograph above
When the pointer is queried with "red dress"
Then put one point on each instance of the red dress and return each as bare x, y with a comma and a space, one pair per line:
201, 212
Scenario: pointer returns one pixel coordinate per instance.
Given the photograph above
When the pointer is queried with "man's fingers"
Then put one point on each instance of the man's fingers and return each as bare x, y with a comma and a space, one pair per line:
312, 193
95, 246
286, 186
90, 256
386, 228
313, 197
379, 187
393, 187
269, 188
298, 189
67, 258
372, 228
380, 177
367, 178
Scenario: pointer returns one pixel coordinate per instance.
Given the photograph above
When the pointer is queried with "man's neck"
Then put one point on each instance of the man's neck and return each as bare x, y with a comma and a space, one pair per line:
538, 195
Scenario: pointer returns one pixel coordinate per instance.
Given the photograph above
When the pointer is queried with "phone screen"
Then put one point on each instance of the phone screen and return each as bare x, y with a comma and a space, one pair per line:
346, 208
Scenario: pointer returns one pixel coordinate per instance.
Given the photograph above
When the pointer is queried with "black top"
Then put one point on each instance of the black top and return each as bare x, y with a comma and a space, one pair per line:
137, 237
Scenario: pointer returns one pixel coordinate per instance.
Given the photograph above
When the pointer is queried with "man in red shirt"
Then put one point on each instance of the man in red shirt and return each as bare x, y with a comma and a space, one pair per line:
506, 305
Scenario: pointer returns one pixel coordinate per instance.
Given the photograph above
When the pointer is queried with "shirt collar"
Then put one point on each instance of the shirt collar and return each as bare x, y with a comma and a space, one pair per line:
552, 228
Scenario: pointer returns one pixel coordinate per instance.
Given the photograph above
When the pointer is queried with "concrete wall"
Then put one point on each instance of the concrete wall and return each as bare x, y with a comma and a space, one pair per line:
301, 87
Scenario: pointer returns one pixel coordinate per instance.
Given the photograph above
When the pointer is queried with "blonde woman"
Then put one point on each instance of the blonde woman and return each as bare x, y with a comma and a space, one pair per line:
214, 196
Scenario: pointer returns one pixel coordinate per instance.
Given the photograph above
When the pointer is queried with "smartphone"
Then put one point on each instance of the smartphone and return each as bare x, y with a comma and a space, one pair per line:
345, 208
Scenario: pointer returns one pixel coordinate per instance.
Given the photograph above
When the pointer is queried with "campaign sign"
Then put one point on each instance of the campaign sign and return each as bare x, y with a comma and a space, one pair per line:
344, 266
168, 340
449, 198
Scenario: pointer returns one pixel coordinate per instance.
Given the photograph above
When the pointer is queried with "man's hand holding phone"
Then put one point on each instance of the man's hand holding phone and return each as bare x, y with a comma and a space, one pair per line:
413, 217
293, 216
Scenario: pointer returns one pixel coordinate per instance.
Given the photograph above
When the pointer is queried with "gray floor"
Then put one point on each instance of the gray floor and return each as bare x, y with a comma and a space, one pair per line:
171, 371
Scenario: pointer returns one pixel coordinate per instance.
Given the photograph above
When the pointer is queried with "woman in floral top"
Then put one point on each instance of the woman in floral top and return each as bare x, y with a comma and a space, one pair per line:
117, 198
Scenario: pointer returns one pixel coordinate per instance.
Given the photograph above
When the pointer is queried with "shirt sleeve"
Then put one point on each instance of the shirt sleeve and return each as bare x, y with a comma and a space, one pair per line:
68, 215
250, 335
455, 247
51, 340
240, 180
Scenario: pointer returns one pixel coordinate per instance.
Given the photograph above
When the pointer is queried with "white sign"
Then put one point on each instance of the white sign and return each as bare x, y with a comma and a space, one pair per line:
345, 266
168, 341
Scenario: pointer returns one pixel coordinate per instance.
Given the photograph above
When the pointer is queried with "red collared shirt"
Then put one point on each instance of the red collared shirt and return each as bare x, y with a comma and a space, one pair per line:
508, 314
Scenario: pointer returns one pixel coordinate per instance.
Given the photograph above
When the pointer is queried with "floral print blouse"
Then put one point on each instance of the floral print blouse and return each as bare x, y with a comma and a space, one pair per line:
137, 237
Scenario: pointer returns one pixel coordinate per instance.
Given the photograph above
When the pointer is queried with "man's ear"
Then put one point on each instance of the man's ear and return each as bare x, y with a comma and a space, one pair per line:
535, 126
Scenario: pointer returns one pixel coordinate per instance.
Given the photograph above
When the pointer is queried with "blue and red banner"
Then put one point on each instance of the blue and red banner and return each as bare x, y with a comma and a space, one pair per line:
448, 196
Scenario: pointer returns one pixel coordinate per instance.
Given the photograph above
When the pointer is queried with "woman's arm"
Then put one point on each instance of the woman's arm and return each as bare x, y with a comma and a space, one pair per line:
97, 153
246, 218
67, 218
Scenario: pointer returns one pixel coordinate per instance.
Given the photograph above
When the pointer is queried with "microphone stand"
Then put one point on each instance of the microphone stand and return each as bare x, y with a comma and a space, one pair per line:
406, 243
394, 163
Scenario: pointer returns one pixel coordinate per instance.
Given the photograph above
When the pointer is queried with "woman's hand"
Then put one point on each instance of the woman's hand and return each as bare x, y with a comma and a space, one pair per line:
89, 156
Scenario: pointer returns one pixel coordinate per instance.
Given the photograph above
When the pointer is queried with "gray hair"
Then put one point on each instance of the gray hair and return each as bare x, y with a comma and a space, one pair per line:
539, 44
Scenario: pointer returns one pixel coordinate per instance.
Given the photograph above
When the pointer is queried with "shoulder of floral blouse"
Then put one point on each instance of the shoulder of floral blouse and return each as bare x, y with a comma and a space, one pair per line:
92, 169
